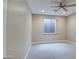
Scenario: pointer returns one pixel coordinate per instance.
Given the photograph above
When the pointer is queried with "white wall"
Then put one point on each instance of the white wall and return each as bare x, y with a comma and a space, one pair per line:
18, 32
71, 28
4, 26
38, 35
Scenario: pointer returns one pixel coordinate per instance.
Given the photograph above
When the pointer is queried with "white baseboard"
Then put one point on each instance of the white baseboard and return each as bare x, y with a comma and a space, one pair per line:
8, 56
72, 42
11, 56
27, 53
56, 41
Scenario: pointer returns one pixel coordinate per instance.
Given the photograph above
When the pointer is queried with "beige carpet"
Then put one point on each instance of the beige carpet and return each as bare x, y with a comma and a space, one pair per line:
52, 51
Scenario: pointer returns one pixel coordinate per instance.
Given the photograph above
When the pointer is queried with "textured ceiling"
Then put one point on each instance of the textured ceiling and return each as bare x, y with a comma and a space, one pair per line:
37, 5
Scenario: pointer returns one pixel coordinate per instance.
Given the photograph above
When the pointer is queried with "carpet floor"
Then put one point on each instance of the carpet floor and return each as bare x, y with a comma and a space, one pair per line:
53, 51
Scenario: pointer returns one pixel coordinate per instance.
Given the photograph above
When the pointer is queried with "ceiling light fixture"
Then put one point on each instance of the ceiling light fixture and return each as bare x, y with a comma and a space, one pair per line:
64, 12
42, 10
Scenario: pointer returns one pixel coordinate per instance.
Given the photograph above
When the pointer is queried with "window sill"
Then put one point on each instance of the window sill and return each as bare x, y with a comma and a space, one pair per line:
49, 33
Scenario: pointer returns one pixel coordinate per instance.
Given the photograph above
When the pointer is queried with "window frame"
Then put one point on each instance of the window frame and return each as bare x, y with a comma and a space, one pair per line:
51, 32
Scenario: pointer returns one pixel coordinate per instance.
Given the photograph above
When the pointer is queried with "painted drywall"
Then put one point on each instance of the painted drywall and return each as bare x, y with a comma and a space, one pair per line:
18, 32
4, 27
38, 33
71, 28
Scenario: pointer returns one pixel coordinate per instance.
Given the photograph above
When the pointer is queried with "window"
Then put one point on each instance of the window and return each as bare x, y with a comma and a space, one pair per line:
50, 26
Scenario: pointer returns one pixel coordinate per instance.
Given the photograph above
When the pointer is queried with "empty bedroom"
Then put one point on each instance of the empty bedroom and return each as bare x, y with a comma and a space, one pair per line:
39, 29
53, 29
